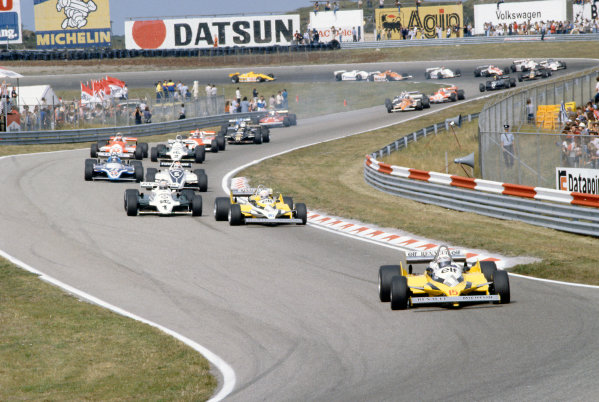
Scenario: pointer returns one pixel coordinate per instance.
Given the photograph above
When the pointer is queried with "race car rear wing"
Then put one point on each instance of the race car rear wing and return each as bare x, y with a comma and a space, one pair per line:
423, 257
154, 184
119, 154
169, 164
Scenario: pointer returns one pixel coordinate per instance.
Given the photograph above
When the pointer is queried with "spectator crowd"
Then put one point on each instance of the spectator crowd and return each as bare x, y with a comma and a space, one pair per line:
256, 102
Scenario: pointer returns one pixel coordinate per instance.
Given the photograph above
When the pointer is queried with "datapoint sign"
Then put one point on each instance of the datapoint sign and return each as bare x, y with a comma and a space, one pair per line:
194, 33
72, 23
10, 22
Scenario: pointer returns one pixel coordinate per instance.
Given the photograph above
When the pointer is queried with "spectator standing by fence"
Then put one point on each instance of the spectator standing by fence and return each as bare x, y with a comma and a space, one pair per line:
285, 99
507, 146
530, 111
137, 115
182, 112
147, 115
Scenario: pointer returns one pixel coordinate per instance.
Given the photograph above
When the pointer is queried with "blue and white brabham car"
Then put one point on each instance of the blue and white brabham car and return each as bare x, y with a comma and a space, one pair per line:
113, 169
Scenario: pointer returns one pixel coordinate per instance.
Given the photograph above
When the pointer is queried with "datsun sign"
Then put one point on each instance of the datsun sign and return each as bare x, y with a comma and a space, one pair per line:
194, 33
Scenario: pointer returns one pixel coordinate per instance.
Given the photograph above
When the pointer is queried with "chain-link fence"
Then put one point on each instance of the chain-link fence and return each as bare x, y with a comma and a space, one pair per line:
538, 148
114, 113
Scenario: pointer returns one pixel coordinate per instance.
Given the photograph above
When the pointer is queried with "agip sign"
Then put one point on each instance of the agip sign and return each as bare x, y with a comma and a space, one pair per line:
193, 33
389, 22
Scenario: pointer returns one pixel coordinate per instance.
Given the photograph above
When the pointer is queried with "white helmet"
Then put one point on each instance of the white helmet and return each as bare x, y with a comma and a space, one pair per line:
444, 261
163, 185
263, 194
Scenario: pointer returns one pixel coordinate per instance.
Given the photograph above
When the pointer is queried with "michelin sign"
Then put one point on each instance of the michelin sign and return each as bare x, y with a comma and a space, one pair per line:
10, 22
72, 23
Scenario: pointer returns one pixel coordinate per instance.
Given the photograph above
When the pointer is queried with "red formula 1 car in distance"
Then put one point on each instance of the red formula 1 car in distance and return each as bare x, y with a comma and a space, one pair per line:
447, 94
207, 138
123, 147
388, 76
278, 118
491, 71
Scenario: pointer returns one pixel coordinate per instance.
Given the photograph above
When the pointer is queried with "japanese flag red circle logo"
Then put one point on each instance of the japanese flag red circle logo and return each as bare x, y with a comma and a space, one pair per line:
149, 34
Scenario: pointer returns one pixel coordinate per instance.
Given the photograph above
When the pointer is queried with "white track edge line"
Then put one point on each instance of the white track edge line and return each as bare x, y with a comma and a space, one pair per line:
227, 372
226, 178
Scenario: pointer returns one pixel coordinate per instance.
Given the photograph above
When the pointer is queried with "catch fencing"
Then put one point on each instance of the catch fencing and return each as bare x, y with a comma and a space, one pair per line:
139, 130
115, 112
560, 210
538, 148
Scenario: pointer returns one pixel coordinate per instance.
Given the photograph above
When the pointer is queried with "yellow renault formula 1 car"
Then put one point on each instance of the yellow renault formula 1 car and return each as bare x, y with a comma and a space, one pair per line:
251, 77
444, 282
258, 205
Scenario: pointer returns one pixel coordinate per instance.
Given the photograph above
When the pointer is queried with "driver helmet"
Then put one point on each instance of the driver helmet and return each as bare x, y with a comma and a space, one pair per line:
242, 124
263, 194
177, 165
113, 158
163, 185
118, 137
444, 261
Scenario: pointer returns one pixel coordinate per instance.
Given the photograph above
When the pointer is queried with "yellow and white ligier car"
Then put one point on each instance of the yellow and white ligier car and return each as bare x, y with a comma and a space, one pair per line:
259, 205
251, 77
447, 280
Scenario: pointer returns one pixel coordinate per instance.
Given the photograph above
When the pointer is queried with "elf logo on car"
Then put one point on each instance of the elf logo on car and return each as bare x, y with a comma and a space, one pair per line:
193, 33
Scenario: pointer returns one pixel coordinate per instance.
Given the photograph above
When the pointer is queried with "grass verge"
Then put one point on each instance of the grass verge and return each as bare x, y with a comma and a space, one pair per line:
329, 178
55, 347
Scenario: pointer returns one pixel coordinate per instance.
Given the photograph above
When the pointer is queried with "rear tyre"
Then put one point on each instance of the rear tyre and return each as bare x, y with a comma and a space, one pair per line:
389, 105
286, 122
301, 212
139, 173
202, 182
427, 75
457, 72
258, 138
196, 205
477, 73
220, 141
89, 168
131, 204
139, 153
144, 148
461, 94
399, 293
488, 268
358, 77
265, 136
151, 174
293, 119
338, 77
93, 152
512, 82
154, 154
199, 154
221, 208
235, 215
188, 194
426, 102
481, 87
213, 146
288, 201
386, 273
453, 97
501, 287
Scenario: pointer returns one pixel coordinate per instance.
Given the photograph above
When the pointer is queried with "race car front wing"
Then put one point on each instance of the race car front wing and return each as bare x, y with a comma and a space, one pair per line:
276, 220
454, 299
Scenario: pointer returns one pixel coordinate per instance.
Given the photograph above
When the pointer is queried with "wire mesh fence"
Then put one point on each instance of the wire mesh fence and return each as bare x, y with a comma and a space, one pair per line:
540, 143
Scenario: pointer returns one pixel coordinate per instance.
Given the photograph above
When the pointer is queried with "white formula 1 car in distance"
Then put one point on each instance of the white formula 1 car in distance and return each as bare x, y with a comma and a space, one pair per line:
353, 75
437, 73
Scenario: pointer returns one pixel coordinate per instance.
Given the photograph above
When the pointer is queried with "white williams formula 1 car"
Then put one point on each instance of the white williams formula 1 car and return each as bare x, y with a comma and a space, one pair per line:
436, 73
162, 201
523, 65
177, 150
553, 65
179, 178
354, 75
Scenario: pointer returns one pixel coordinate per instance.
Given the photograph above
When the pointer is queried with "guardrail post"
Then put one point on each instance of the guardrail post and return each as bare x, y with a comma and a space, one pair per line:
405, 142
388, 147
424, 131
415, 134
435, 128
396, 145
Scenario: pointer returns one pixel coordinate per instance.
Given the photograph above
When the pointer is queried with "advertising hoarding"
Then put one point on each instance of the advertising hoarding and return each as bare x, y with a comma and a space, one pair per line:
10, 22
427, 18
586, 11
577, 179
527, 11
72, 24
343, 21
194, 33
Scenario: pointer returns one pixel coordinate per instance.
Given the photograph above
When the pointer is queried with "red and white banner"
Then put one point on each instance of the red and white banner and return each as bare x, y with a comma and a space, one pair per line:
98, 91
194, 33
342, 23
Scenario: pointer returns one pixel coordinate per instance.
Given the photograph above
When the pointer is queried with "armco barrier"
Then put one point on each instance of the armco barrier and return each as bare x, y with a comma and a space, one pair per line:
139, 130
560, 210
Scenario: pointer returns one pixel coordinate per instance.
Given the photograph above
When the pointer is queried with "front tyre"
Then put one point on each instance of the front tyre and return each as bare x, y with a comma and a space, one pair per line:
196, 205
501, 287
131, 202
386, 273
199, 154
89, 168
301, 212
235, 215
399, 293
221, 208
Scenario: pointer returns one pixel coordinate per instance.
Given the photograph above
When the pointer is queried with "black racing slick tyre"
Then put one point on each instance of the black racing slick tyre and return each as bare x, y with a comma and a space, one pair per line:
199, 154
235, 79
399, 293
93, 152
221, 208
196, 205
461, 94
386, 273
258, 138
477, 73
202, 182
289, 201
453, 97
89, 169
144, 148
214, 146
139, 153
154, 154
501, 286
488, 268
481, 87
389, 105
427, 75
151, 174
127, 192
139, 172
235, 215
286, 122
338, 77
293, 119
457, 72
358, 77
512, 82
188, 194
426, 102
265, 135
301, 212
519, 78
131, 204
221, 142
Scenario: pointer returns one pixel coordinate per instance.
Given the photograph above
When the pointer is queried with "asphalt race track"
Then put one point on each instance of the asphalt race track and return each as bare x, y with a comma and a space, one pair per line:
294, 310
